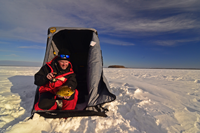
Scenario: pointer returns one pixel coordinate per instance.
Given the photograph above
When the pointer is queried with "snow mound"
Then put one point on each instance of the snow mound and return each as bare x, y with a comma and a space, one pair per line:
197, 81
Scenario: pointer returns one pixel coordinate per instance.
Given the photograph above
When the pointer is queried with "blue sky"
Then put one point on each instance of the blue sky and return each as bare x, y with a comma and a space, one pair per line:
133, 33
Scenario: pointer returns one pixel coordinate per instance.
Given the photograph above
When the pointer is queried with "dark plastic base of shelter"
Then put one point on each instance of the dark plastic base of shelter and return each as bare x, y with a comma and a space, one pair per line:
68, 113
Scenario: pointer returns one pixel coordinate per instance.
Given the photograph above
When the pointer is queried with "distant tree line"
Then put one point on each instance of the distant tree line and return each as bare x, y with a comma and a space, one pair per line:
116, 66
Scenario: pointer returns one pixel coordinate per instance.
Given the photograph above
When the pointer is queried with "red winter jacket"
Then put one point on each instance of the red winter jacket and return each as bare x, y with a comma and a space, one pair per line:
65, 77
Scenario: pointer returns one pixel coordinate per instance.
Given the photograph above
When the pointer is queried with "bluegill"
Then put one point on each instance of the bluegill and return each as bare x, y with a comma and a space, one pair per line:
65, 91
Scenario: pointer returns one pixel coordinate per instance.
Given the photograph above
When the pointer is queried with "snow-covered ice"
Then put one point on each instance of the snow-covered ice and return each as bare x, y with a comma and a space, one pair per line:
148, 101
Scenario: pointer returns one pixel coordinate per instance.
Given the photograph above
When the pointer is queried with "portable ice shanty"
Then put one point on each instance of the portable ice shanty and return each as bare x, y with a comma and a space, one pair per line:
87, 62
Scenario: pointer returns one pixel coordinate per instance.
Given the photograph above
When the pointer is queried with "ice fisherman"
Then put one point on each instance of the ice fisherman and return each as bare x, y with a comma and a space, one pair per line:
51, 77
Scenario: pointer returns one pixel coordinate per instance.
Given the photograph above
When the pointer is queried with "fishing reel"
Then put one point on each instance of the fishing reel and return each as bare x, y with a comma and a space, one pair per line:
54, 80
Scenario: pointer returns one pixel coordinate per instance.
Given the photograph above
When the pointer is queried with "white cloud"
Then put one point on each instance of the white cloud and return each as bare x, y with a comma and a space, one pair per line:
164, 4
116, 42
12, 55
4, 43
6, 50
33, 47
174, 42
29, 20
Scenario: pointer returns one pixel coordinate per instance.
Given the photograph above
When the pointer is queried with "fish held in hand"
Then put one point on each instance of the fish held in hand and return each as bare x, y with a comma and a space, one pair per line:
65, 91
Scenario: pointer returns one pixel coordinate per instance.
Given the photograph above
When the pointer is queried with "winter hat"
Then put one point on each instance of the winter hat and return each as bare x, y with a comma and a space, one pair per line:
64, 54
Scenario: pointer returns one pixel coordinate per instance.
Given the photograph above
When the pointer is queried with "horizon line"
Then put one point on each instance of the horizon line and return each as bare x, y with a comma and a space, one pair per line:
121, 68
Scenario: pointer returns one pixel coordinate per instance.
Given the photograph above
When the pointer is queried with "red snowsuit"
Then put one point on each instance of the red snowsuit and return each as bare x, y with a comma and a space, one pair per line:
65, 77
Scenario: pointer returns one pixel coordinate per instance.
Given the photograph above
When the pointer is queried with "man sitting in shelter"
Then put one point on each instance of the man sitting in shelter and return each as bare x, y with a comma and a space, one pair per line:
51, 78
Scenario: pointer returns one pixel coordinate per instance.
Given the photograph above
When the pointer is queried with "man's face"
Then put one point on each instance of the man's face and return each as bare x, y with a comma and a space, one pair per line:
63, 64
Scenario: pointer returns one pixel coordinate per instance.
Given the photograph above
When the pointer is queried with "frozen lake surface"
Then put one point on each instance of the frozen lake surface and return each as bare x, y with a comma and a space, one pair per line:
148, 101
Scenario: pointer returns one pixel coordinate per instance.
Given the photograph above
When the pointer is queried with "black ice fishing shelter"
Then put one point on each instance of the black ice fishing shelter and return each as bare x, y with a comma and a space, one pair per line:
87, 62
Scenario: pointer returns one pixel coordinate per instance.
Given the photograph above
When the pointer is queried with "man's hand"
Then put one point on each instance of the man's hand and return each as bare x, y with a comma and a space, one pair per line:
67, 97
50, 76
